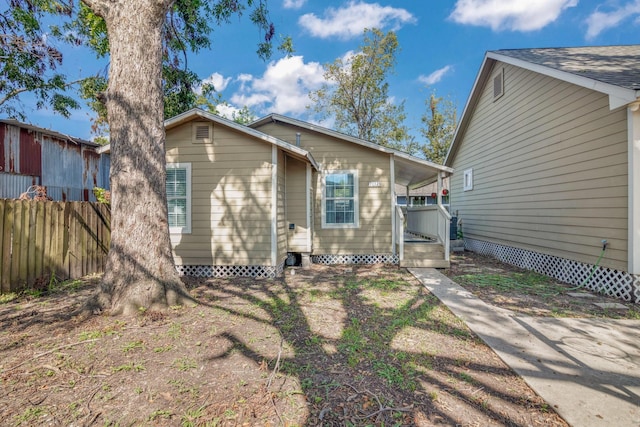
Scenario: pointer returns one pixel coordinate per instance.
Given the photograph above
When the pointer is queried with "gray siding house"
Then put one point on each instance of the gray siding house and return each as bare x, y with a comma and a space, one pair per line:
547, 164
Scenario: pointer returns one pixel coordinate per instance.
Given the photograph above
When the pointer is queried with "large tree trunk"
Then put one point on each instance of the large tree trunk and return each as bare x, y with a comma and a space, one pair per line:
140, 271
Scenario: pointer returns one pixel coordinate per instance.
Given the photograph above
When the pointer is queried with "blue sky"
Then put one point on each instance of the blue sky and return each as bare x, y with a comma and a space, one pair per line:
442, 46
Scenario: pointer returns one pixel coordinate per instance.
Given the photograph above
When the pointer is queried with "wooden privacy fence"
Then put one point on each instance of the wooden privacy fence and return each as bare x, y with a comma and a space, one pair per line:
39, 239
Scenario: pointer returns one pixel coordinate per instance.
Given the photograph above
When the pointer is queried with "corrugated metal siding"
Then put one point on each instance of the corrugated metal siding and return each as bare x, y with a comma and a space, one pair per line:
3, 129
11, 149
103, 176
12, 186
30, 153
68, 169
62, 166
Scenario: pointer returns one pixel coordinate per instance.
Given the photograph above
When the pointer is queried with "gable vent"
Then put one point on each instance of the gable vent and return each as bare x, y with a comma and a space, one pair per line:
202, 132
498, 85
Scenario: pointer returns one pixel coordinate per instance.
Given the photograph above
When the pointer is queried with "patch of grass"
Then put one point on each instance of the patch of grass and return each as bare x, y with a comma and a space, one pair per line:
352, 342
90, 335
29, 414
175, 330
466, 378
403, 378
184, 388
184, 364
190, 418
70, 286
388, 372
7, 298
159, 414
131, 366
382, 284
530, 283
133, 345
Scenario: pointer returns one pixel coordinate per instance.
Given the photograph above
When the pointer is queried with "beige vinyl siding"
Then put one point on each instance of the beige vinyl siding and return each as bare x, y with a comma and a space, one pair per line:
281, 217
374, 234
297, 205
231, 198
549, 164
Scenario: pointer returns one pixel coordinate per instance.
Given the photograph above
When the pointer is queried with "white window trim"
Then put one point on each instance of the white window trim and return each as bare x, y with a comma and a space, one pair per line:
356, 200
187, 229
467, 180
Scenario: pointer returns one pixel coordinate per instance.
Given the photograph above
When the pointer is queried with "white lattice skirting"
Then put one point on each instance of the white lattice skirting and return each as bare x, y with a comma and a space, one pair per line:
615, 283
355, 259
231, 270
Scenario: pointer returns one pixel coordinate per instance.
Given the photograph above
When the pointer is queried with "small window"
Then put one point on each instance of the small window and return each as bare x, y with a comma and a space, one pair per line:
498, 84
467, 184
434, 200
340, 200
202, 133
179, 197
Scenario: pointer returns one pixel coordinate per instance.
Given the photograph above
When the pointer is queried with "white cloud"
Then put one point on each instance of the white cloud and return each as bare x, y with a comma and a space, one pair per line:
436, 76
293, 4
218, 81
599, 21
350, 20
515, 15
227, 111
283, 88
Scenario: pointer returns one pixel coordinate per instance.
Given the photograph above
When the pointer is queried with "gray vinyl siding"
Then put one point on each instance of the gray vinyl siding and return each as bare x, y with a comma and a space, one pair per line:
374, 234
549, 164
231, 198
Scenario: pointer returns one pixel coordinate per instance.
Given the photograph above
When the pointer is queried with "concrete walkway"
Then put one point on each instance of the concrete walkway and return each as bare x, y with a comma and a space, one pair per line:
587, 369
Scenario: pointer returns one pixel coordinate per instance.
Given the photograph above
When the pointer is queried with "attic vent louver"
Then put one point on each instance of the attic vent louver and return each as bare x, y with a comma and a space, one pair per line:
498, 85
202, 133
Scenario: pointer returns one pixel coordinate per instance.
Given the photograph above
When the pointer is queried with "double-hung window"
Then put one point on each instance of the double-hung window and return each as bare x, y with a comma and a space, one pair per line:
179, 197
340, 199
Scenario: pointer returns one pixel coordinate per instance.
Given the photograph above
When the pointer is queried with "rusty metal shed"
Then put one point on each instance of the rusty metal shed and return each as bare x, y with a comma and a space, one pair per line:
68, 167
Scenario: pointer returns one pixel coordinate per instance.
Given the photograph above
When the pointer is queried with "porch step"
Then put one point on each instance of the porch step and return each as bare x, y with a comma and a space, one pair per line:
424, 255
432, 263
418, 249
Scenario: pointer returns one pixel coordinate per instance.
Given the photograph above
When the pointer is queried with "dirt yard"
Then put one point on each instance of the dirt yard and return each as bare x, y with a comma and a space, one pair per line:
327, 346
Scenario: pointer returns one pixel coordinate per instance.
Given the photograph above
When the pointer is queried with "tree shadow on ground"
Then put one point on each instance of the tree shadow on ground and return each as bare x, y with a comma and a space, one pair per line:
370, 345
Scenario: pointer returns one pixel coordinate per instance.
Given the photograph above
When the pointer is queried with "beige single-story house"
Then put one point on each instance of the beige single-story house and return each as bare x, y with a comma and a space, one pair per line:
547, 164
248, 200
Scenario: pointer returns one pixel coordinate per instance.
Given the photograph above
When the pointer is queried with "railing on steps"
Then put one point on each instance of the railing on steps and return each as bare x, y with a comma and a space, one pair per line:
399, 243
430, 221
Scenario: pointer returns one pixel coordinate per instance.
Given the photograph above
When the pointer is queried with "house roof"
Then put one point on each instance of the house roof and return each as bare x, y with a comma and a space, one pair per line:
611, 65
58, 135
197, 113
612, 70
409, 170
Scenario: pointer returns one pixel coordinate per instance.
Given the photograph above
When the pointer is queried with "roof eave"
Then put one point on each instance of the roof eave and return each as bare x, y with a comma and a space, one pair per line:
618, 96
481, 78
197, 113
276, 117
